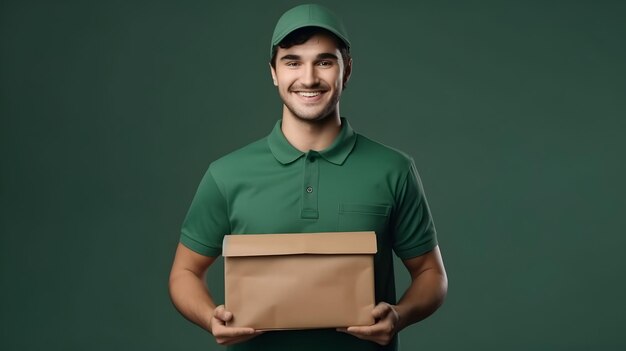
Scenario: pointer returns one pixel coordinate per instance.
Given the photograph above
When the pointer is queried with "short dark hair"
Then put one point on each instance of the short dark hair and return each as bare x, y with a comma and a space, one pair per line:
302, 35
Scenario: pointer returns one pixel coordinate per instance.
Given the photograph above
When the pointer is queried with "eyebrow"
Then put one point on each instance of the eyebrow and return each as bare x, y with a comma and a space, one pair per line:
322, 56
327, 56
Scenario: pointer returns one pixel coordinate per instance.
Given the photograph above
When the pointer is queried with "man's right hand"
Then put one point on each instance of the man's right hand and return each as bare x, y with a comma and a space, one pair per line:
225, 335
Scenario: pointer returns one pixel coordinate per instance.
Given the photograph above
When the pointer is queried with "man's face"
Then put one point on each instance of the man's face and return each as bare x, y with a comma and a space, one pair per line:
310, 77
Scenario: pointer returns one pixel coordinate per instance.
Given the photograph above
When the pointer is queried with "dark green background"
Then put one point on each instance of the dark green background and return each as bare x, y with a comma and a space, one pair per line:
513, 110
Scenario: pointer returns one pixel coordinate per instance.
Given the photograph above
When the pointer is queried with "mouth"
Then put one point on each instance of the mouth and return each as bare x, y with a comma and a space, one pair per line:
309, 93
310, 96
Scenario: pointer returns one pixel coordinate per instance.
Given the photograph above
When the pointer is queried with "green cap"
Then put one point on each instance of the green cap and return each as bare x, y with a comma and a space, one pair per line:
310, 15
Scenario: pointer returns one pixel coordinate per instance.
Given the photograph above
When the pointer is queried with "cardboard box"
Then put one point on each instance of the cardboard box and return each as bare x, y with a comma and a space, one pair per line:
300, 281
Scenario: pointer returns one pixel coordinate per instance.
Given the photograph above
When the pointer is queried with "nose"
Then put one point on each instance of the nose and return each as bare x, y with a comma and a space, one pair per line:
309, 76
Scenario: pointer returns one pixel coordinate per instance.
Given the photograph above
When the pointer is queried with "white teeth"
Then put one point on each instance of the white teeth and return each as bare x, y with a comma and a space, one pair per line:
309, 93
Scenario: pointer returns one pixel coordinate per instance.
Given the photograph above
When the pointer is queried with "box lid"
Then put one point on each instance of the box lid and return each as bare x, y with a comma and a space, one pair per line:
293, 244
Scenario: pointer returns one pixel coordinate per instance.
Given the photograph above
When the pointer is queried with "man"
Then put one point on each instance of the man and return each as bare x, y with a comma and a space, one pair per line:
313, 173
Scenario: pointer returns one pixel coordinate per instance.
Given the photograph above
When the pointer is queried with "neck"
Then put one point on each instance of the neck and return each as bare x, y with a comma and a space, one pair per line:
307, 135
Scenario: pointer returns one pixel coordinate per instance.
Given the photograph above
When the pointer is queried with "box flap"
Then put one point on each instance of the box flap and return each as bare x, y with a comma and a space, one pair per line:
293, 244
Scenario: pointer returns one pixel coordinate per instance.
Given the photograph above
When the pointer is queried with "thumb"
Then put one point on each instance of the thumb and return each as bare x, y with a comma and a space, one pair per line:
381, 310
221, 313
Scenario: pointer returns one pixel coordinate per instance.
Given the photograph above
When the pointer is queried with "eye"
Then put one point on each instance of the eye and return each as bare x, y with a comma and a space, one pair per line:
325, 63
292, 63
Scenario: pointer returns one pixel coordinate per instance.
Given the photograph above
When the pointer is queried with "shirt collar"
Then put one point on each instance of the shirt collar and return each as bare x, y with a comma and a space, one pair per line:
336, 153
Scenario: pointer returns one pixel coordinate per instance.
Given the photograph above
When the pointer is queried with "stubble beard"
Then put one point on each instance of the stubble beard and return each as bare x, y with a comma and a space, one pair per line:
311, 116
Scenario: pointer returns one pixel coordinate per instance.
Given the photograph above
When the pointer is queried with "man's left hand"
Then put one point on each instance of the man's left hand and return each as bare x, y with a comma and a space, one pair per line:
383, 330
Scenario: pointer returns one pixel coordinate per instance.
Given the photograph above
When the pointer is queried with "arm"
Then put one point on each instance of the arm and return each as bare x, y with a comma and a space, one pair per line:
428, 289
193, 300
429, 285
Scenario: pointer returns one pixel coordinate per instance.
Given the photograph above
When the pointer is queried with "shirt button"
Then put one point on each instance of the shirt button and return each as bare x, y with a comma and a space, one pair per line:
309, 189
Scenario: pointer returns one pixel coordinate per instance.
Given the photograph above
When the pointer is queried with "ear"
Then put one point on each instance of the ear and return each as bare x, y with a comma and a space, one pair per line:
347, 71
273, 72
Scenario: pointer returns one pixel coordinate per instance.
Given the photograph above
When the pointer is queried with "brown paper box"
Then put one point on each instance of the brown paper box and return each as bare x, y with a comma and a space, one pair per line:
299, 281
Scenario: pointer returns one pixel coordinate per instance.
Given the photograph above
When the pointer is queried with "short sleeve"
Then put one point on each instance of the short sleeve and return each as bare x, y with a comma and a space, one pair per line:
413, 228
207, 220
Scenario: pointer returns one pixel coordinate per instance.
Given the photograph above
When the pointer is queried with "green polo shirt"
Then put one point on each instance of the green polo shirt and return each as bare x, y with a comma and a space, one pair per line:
356, 184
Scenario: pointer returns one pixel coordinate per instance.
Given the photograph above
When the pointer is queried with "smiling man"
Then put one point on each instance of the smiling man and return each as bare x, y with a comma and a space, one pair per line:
312, 173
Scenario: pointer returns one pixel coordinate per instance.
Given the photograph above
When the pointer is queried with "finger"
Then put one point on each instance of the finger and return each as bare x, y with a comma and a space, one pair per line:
381, 310
229, 340
230, 332
358, 334
221, 313
235, 332
366, 331
386, 312
379, 334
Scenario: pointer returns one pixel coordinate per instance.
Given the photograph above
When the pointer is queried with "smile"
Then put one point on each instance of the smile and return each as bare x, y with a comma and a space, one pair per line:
309, 94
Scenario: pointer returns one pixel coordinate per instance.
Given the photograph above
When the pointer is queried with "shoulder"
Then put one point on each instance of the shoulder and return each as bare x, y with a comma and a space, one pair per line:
241, 159
384, 155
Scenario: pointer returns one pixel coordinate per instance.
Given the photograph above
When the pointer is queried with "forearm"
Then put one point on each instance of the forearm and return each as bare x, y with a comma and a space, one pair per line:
423, 297
192, 298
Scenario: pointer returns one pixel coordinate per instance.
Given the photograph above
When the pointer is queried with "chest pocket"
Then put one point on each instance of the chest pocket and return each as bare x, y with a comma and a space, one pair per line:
356, 217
